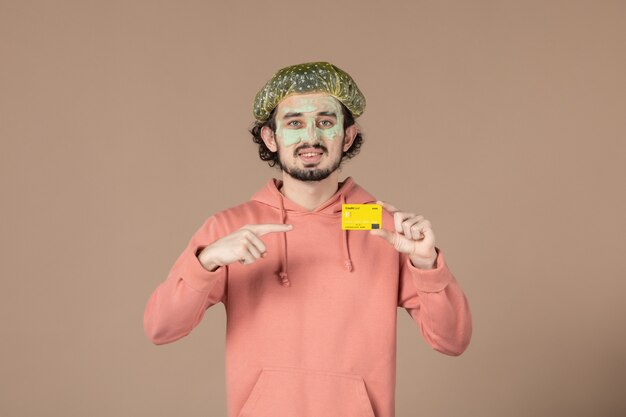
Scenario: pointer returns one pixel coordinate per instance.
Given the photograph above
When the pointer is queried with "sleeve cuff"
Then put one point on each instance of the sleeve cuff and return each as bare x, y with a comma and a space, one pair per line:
199, 278
431, 280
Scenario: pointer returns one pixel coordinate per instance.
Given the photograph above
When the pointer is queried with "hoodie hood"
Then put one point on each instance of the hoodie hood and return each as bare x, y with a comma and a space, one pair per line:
349, 192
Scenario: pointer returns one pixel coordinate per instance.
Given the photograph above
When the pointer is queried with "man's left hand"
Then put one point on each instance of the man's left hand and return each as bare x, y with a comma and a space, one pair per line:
413, 235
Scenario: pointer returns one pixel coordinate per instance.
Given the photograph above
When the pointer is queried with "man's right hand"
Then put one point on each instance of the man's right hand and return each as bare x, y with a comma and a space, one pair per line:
243, 245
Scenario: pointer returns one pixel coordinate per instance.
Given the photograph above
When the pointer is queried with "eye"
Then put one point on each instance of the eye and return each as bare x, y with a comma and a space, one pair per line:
293, 123
326, 123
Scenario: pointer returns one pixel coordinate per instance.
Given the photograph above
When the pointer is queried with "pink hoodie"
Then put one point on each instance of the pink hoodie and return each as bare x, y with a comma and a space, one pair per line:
311, 328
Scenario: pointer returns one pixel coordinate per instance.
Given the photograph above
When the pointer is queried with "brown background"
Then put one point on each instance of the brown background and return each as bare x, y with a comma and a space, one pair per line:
123, 126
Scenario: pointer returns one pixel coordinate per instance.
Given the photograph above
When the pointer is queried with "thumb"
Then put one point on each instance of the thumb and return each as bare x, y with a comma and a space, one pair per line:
385, 234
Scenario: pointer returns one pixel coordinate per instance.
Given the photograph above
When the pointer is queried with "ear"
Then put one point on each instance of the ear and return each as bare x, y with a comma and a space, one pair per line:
269, 138
351, 133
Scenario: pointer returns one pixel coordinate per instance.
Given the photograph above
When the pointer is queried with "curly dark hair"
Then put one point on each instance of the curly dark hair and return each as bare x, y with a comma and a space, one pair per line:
272, 157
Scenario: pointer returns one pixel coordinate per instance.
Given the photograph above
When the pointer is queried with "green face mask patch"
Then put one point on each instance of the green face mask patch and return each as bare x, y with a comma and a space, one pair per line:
309, 118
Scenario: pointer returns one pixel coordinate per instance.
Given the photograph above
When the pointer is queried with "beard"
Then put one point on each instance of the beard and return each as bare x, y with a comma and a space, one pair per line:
309, 174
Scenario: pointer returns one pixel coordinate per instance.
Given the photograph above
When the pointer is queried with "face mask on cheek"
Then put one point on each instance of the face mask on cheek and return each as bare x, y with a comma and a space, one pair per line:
289, 137
313, 129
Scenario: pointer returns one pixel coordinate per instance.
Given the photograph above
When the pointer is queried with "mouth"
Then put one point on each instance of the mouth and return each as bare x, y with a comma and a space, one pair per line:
310, 155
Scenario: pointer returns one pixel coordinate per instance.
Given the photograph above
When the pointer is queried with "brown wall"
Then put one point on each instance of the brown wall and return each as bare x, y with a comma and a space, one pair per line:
123, 126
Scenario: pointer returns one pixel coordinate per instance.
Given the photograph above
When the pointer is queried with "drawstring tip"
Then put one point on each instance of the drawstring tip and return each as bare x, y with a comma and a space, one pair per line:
348, 265
284, 280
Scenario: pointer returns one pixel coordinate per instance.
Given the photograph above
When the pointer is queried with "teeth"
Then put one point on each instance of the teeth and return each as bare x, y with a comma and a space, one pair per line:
309, 154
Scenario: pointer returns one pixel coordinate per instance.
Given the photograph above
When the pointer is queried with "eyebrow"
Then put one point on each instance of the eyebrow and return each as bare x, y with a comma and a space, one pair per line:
322, 113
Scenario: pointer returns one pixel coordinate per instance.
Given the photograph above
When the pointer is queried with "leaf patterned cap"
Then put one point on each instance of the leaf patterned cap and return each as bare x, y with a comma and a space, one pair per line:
311, 77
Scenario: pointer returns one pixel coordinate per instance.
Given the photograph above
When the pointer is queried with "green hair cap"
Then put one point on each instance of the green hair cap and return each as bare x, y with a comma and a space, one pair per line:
312, 77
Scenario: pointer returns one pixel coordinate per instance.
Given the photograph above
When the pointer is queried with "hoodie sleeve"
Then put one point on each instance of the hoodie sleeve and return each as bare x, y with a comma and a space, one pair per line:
178, 304
435, 301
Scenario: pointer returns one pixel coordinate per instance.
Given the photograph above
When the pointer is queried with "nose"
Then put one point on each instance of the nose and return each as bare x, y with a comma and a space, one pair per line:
312, 133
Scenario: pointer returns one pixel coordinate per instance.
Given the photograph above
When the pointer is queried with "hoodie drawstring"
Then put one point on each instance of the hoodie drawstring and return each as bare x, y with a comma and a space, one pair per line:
283, 273
346, 253
347, 262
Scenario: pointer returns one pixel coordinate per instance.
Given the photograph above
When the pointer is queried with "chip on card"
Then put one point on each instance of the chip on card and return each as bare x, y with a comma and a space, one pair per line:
361, 216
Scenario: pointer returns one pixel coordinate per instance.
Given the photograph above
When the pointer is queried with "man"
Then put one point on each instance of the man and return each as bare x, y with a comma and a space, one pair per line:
311, 308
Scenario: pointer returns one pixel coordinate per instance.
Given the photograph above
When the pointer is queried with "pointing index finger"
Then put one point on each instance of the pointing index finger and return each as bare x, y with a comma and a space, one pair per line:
263, 229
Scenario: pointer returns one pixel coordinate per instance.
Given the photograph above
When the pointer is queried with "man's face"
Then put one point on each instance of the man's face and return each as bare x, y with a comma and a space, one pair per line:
309, 136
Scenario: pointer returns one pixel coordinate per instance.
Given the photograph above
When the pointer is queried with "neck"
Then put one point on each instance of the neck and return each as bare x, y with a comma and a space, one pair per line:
309, 194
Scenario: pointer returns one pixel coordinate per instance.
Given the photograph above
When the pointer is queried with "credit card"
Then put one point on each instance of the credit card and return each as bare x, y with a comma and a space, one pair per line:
361, 216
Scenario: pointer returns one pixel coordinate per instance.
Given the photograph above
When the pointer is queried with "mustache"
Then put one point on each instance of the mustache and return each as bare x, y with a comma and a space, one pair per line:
318, 146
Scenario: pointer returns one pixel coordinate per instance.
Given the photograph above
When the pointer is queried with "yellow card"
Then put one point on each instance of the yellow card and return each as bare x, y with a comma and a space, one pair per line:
361, 216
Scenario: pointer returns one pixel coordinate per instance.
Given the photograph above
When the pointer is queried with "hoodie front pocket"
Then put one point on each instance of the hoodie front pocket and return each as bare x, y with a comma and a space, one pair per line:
294, 392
